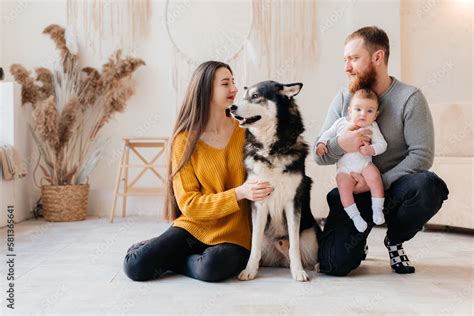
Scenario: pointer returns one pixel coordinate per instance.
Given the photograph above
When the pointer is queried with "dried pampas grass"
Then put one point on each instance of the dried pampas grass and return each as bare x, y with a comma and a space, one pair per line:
115, 101
117, 68
45, 77
70, 107
46, 122
57, 34
68, 120
91, 85
29, 91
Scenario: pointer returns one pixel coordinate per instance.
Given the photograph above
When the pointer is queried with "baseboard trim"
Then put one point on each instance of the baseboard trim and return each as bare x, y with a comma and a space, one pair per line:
448, 229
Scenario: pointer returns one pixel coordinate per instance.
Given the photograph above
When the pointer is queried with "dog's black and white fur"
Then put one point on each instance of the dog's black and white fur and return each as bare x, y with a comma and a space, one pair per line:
275, 151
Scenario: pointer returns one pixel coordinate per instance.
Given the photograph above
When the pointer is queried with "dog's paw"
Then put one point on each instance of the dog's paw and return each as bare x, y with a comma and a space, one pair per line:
299, 275
248, 274
316, 267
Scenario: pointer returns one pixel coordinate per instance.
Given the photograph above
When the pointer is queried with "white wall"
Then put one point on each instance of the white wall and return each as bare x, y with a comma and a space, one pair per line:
152, 109
437, 48
438, 59
437, 39
2, 47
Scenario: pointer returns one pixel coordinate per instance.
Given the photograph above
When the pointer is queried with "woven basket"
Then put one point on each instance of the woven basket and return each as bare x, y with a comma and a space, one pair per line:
65, 203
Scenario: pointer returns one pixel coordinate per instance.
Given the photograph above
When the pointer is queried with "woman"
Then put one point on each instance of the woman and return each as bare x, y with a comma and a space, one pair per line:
210, 236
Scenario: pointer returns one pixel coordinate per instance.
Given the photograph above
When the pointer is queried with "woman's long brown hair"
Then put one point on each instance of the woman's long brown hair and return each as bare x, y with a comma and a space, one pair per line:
192, 119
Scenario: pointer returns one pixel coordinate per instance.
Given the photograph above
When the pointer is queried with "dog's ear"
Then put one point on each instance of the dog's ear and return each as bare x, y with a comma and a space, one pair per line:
291, 89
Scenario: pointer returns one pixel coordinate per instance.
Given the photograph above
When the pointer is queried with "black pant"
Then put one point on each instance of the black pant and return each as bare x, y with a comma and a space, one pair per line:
178, 251
409, 204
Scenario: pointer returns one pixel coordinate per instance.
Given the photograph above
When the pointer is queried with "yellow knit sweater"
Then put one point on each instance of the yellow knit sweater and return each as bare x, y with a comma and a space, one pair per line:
205, 191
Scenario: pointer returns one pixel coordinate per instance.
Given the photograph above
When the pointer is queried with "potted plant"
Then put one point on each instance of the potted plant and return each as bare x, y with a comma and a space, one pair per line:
70, 106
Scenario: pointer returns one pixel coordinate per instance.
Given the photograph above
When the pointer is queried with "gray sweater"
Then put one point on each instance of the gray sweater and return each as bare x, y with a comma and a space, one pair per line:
406, 124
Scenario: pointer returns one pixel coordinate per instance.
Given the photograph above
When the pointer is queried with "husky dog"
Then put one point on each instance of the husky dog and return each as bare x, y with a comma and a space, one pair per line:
284, 232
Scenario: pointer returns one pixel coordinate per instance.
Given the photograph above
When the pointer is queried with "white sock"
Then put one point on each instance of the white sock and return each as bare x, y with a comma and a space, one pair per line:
377, 208
354, 214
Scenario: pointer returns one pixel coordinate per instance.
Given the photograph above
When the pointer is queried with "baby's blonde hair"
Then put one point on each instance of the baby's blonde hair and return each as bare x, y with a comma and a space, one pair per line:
366, 94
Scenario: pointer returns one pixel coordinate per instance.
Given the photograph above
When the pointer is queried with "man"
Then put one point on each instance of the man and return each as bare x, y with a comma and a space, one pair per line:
412, 194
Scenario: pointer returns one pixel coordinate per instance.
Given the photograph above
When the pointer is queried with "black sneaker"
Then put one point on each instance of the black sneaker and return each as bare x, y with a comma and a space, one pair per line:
398, 259
366, 251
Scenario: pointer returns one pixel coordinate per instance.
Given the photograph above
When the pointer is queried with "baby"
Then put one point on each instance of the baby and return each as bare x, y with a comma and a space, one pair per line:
362, 110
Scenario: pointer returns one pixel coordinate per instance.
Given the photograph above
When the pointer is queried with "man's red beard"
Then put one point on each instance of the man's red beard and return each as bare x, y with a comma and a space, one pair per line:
364, 80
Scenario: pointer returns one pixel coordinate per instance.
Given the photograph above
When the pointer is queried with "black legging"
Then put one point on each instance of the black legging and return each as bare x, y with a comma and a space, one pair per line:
178, 251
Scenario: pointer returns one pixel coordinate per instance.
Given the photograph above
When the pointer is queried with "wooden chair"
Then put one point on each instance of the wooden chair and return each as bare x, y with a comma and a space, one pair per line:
134, 145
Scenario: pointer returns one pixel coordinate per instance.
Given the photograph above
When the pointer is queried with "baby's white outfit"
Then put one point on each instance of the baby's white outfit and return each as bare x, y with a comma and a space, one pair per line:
354, 162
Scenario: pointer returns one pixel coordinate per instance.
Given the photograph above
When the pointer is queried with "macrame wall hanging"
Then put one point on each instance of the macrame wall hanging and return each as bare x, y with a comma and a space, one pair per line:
284, 33
119, 24
260, 39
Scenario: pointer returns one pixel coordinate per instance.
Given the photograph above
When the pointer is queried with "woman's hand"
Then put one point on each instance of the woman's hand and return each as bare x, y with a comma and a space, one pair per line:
253, 190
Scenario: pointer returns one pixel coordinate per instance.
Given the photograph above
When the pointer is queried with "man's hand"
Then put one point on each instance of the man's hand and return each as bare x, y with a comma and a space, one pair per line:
366, 149
321, 149
352, 139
